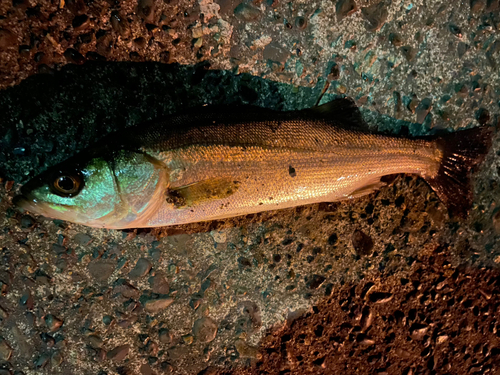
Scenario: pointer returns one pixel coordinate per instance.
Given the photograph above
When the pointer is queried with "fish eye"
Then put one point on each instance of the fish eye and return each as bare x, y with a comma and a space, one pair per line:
67, 184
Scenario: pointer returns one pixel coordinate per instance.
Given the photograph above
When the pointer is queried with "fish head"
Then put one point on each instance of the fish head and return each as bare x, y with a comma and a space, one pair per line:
110, 191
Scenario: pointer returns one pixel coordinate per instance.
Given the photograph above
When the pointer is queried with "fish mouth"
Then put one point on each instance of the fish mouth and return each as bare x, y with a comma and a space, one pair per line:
32, 205
22, 202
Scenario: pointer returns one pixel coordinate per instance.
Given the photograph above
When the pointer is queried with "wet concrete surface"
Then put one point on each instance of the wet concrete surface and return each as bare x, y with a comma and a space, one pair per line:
388, 283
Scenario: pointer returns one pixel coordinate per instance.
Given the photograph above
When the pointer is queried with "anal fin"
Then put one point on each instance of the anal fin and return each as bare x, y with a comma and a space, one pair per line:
367, 189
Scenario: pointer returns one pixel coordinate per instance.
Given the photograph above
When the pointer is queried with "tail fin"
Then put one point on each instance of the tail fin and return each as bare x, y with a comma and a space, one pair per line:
462, 151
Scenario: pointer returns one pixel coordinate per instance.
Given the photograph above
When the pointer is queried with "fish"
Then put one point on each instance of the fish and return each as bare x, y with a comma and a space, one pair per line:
218, 162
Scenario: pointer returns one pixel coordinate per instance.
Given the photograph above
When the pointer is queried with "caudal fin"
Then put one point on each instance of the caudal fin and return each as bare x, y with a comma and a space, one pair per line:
462, 151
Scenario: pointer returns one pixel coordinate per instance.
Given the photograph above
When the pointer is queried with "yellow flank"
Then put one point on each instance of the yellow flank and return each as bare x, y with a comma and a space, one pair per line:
200, 192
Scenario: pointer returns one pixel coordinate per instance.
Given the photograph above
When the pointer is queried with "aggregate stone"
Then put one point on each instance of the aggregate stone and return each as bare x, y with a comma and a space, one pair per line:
157, 305
101, 269
53, 323
141, 269
7, 39
27, 221
82, 239
165, 336
376, 15
95, 341
159, 284
146, 370
119, 353
5, 350
247, 12
362, 243
205, 329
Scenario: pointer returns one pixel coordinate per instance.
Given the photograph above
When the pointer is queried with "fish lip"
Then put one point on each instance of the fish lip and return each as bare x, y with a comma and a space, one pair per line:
24, 203
30, 204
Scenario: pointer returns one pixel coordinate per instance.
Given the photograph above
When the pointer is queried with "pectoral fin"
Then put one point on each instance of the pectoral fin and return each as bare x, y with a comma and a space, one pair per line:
201, 192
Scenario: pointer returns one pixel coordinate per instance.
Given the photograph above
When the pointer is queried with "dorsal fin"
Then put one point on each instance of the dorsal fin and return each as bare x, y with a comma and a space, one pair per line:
341, 111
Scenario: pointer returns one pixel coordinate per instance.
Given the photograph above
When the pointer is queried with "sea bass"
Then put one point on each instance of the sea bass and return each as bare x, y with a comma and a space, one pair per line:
215, 163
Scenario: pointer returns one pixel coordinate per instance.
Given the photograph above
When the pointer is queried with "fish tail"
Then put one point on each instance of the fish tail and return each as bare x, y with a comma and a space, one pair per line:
461, 151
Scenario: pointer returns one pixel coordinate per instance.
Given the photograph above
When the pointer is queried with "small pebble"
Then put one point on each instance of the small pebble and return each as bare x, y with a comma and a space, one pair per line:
27, 221
477, 6
141, 269
126, 290
462, 48
315, 281
409, 52
82, 239
80, 22
376, 15
178, 352
159, 284
219, 236
119, 353
418, 331
334, 73
120, 24
146, 369
7, 39
362, 243
48, 339
42, 360
366, 318
95, 341
345, 8
165, 336
247, 12
441, 339
188, 339
205, 329
166, 367
5, 350
56, 359
402, 353
423, 110
395, 39
146, 9
101, 269
156, 305
73, 56
483, 116
380, 297
53, 323
246, 351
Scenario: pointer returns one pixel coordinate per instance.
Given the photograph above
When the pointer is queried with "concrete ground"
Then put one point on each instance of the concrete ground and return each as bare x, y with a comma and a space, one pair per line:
387, 283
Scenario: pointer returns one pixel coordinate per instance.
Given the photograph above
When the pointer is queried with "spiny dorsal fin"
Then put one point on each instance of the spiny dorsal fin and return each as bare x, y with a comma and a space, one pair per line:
342, 111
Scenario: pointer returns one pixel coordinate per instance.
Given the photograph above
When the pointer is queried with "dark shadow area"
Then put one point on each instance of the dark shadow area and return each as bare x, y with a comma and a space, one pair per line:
49, 117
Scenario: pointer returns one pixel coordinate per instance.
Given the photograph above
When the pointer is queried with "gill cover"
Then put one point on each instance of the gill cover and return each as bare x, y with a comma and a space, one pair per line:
104, 191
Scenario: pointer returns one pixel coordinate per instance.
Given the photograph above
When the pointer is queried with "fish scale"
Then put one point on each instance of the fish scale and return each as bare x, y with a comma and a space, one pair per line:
329, 174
